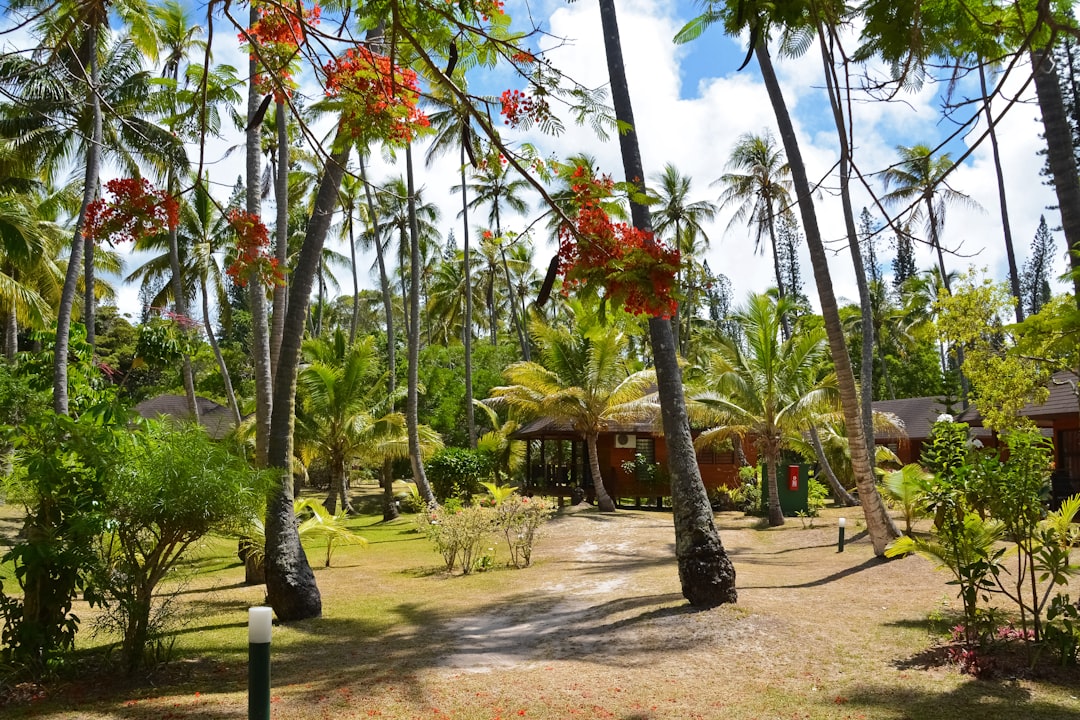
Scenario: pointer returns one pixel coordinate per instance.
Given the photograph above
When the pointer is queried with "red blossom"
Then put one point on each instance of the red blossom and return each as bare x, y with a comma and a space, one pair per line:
278, 34
253, 258
633, 268
135, 211
522, 110
379, 98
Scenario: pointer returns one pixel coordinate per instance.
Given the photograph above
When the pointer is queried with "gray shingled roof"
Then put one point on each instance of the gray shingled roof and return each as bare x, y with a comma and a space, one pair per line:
214, 417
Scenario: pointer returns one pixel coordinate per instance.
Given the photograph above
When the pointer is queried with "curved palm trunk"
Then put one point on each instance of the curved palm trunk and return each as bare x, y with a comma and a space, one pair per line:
390, 508
260, 349
89, 299
230, 394
705, 571
384, 282
281, 233
604, 503
1006, 228
1059, 154
71, 278
11, 334
866, 307
519, 322
467, 325
839, 492
412, 402
776, 513
354, 320
880, 526
180, 303
290, 583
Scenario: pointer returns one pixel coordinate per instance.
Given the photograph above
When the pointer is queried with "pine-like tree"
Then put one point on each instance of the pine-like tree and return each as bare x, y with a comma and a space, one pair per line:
903, 265
788, 240
1035, 279
868, 240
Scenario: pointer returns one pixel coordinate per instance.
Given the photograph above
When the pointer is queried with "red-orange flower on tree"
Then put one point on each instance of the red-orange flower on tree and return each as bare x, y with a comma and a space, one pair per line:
378, 99
278, 34
253, 258
134, 211
521, 110
632, 267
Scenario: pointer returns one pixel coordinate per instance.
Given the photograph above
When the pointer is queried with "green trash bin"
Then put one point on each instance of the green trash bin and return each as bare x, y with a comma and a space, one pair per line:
793, 487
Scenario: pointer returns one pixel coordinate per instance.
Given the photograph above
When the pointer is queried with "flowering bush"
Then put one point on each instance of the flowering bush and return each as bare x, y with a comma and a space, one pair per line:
278, 34
458, 534
379, 98
634, 269
520, 518
135, 212
253, 259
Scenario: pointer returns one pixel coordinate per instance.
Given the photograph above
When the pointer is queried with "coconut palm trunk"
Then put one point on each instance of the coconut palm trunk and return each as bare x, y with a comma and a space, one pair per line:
772, 468
281, 232
290, 583
260, 347
412, 400
841, 494
89, 298
880, 526
230, 394
384, 281
1006, 227
90, 183
604, 503
705, 571
467, 325
1059, 154
866, 308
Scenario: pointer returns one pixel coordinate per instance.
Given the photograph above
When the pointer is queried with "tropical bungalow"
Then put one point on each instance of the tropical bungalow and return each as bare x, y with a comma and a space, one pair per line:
557, 462
1059, 417
917, 416
215, 418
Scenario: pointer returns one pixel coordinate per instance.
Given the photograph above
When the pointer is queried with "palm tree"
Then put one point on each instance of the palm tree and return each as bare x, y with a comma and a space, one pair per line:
770, 390
496, 188
582, 380
879, 525
758, 186
705, 571
344, 411
684, 220
918, 181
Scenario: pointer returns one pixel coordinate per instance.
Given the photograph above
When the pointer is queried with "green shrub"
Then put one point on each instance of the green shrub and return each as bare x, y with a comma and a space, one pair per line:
817, 494
520, 519
457, 473
459, 534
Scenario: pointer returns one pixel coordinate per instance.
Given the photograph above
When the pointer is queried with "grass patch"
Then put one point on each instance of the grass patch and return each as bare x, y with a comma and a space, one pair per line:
596, 628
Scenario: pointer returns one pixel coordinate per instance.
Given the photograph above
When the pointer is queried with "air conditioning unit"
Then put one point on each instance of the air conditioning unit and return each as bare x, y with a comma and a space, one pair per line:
625, 440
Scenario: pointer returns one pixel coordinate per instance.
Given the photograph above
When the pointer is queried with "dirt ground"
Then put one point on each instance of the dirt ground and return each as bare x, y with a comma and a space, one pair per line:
597, 628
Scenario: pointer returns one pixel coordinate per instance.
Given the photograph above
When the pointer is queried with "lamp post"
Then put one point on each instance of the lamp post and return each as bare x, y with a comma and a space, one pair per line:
260, 622
843, 524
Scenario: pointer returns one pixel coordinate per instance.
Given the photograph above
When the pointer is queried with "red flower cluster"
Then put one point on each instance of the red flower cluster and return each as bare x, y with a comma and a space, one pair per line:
523, 57
379, 98
136, 211
521, 110
635, 269
253, 258
278, 32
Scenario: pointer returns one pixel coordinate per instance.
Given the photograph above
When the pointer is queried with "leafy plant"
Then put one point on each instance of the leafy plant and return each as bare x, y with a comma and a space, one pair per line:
520, 519
1063, 628
459, 534
457, 473
907, 487
317, 522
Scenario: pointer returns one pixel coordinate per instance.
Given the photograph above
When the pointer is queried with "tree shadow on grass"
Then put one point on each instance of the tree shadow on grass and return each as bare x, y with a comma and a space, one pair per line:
833, 577
985, 700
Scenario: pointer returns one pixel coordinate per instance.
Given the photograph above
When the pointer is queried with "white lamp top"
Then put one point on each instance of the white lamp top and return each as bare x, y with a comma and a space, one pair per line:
843, 522
260, 622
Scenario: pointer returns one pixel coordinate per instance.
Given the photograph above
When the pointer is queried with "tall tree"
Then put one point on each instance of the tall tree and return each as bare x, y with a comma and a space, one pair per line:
919, 186
705, 571
879, 525
903, 265
770, 391
1038, 270
684, 220
759, 187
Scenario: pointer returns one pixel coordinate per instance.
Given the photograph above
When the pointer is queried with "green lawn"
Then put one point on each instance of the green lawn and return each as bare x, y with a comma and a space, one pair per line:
596, 628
